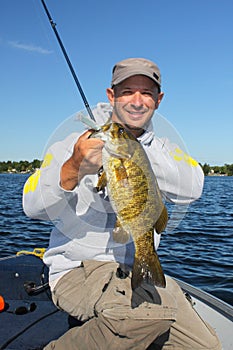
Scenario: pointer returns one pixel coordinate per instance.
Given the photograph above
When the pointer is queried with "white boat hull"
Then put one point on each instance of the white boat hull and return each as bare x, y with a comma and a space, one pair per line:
214, 311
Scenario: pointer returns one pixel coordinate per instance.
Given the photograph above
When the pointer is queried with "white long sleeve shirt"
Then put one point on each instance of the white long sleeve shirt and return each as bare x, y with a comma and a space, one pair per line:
83, 219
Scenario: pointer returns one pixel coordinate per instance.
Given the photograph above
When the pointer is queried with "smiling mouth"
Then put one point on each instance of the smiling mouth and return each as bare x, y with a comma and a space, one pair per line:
136, 114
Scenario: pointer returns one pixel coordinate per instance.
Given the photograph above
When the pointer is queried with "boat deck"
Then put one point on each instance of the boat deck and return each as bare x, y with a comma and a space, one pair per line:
45, 322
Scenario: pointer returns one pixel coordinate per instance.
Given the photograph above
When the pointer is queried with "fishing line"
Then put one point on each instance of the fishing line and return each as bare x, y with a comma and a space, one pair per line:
43, 27
53, 25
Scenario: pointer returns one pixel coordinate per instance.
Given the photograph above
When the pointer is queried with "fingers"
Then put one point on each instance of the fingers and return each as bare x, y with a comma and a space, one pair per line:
86, 159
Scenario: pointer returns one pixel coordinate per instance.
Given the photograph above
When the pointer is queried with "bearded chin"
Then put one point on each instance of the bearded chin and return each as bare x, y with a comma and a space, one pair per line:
132, 127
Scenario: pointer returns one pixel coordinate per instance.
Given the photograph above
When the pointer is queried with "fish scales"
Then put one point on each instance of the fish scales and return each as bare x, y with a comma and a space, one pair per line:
136, 199
131, 194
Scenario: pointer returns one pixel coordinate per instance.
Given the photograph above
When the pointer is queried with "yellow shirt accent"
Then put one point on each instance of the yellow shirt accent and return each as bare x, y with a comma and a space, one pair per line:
47, 160
179, 155
32, 182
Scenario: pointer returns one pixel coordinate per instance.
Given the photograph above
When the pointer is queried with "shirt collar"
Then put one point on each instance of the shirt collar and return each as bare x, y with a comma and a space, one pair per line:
148, 135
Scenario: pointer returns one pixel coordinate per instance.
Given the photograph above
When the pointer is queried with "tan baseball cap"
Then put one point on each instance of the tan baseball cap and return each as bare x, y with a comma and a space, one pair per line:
135, 66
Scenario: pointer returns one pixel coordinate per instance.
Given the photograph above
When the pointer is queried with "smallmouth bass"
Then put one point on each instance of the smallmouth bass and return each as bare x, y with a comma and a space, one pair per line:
136, 199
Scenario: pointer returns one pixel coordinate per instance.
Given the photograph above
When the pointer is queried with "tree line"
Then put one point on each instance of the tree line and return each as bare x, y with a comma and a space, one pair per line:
24, 166
226, 169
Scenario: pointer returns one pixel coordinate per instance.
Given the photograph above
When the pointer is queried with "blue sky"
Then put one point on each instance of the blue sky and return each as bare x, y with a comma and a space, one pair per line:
190, 40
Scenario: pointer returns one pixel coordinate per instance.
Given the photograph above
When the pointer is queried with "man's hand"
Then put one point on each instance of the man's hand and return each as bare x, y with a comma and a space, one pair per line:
86, 159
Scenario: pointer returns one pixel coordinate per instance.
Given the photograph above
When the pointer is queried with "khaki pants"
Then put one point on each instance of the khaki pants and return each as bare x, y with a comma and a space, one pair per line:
160, 318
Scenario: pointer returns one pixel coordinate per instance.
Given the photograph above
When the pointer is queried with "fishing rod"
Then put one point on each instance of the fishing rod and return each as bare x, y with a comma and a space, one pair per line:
53, 25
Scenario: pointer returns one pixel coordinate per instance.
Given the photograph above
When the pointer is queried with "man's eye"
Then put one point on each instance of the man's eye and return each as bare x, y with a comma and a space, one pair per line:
127, 92
147, 93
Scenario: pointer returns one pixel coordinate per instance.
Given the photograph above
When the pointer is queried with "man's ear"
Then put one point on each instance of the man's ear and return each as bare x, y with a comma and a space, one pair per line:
110, 95
160, 97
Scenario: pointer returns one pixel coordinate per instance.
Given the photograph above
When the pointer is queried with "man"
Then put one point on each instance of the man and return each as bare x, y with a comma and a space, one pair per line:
82, 255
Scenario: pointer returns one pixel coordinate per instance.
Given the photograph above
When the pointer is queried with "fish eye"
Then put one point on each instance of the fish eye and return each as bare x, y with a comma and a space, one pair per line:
121, 131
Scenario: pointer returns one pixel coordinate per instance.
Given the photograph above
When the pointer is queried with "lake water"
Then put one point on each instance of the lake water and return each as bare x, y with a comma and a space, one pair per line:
198, 251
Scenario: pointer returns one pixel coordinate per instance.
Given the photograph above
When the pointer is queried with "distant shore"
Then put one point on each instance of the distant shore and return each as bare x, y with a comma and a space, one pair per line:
26, 167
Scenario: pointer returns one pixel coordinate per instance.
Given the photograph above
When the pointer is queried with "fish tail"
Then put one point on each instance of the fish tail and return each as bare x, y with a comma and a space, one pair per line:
147, 268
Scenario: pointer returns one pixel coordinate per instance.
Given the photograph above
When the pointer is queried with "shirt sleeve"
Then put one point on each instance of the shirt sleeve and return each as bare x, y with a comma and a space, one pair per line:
43, 198
180, 177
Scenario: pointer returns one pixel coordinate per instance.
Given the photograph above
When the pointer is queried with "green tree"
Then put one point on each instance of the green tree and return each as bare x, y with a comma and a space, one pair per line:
229, 169
36, 163
206, 169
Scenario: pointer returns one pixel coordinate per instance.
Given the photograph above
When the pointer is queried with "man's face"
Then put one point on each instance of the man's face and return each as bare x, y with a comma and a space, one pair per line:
134, 101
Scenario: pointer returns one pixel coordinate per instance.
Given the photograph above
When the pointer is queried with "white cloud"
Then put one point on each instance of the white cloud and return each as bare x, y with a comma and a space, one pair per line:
29, 47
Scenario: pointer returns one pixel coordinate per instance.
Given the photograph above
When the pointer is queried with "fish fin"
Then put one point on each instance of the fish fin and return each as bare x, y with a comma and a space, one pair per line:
102, 182
161, 223
81, 116
119, 234
147, 268
121, 172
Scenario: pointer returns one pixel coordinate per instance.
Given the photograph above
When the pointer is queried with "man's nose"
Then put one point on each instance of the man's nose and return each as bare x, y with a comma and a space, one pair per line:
137, 99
